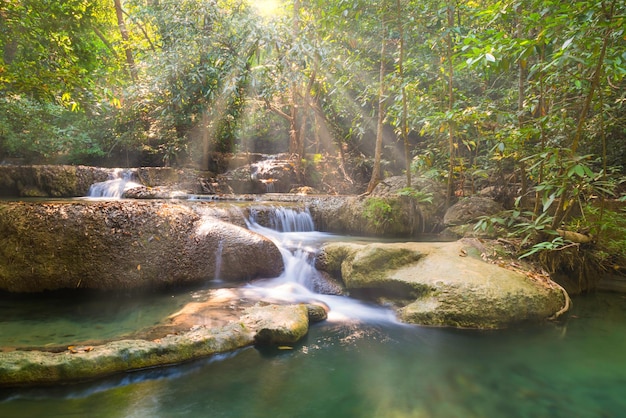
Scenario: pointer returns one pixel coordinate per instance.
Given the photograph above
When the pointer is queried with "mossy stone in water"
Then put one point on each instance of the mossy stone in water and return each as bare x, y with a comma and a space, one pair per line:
445, 284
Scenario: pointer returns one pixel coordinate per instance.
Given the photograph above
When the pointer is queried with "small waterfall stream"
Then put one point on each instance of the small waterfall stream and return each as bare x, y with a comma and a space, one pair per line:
294, 234
115, 187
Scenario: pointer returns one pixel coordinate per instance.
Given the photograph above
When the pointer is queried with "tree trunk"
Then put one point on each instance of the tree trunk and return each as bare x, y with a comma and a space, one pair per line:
566, 200
403, 124
595, 82
295, 132
376, 175
130, 61
542, 114
451, 147
206, 141
521, 94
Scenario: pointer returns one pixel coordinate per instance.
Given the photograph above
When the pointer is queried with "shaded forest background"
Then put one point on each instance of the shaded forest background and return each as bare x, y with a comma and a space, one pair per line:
528, 96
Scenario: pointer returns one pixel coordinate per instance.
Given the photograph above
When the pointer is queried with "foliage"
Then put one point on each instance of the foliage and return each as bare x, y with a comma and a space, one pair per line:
525, 96
34, 131
609, 228
418, 196
52, 51
378, 211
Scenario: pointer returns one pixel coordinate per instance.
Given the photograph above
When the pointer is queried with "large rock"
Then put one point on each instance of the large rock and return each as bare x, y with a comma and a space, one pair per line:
49, 180
444, 284
470, 210
273, 174
391, 210
283, 324
74, 181
187, 337
124, 245
461, 218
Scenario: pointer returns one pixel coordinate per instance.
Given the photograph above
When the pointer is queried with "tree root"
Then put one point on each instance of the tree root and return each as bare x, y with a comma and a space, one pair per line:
568, 304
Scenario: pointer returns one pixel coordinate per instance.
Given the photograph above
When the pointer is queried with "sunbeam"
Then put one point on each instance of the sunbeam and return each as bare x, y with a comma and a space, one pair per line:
267, 8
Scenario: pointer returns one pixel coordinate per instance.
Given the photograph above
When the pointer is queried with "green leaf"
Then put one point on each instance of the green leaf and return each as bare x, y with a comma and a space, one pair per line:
567, 43
579, 170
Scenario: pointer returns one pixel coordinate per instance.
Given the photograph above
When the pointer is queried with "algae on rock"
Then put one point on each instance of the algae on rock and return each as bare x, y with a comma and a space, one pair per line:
444, 283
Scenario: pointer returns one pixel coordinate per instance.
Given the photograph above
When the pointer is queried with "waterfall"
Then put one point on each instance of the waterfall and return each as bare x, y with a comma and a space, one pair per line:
294, 234
283, 219
114, 188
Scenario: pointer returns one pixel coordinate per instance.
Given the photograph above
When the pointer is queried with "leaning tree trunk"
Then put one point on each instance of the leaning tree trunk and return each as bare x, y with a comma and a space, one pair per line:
451, 147
130, 61
561, 211
376, 176
403, 124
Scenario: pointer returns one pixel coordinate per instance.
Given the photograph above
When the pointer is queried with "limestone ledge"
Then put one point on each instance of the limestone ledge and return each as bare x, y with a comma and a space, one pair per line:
260, 323
464, 284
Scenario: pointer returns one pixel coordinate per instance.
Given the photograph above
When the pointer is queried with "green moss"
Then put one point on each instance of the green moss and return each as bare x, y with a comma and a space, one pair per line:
374, 263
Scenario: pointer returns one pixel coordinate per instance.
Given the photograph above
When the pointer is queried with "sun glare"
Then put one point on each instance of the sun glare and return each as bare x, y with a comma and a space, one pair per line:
267, 8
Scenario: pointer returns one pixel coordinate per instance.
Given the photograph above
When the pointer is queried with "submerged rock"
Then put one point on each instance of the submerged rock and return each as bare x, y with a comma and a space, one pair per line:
444, 284
124, 245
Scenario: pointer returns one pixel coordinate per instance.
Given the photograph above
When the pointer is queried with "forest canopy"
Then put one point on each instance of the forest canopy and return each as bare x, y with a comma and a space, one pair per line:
457, 90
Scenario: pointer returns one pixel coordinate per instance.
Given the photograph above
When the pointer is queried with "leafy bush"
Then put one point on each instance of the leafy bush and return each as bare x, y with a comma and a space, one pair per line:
40, 132
418, 196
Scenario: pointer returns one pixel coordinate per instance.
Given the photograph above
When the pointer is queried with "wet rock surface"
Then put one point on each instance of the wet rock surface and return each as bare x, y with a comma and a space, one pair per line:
224, 320
49, 180
63, 181
272, 174
124, 245
445, 284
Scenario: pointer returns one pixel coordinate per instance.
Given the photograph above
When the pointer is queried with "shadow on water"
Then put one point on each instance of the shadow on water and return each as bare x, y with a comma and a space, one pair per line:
57, 319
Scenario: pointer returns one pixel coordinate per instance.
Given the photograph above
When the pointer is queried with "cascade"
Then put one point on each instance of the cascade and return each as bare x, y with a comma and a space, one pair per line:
114, 188
294, 234
261, 169
283, 219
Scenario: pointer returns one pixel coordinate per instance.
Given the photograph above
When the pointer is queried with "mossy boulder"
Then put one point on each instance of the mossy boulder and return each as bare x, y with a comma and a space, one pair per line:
283, 324
460, 219
470, 209
444, 283
124, 245
391, 210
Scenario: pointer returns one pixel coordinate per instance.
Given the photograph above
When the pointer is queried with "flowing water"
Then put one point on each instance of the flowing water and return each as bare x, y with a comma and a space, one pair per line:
114, 188
362, 363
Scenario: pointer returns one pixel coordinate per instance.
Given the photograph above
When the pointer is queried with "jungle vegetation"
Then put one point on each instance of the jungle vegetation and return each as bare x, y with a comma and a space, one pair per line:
526, 96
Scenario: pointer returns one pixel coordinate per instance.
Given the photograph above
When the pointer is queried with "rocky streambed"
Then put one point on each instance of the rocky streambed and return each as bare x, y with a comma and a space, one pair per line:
156, 244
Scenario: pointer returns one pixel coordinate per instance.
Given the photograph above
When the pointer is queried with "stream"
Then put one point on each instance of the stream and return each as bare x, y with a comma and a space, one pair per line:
359, 363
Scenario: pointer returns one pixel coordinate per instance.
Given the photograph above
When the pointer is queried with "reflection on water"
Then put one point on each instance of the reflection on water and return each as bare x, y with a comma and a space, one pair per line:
65, 319
575, 368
